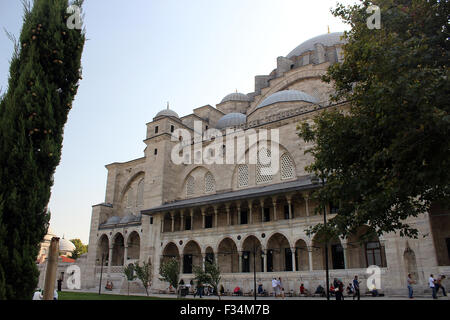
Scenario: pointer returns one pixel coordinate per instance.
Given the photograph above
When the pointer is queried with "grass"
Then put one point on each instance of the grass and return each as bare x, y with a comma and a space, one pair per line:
66, 295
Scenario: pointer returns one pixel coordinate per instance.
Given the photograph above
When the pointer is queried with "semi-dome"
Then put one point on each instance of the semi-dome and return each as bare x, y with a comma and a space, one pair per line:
231, 119
66, 245
130, 218
327, 39
113, 220
235, 96
286, 96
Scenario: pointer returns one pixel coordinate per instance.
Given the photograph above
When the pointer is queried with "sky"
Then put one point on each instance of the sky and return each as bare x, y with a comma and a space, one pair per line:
142, 54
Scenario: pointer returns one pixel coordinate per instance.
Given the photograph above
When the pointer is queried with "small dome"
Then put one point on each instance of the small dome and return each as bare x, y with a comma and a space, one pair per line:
130, 218
113, 220
235, 96
327, 39
167, 112
286, 96
66, 245
231, 119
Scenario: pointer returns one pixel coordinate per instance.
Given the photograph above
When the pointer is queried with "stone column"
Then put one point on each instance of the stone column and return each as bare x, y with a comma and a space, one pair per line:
274, 203
110, 259
293, 259
262, 211
181, 263
239, 213
289, 200
181, 221
125, 255
306, 196
204, 261
265, 259
52, 266
216, 217
162, 222
240, 261
172, 218
250, 212
227, 207
203, 217
310, 258
192, 218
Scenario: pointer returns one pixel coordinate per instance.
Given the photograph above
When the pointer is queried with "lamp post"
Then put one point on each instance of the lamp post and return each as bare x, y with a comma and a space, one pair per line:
315, 180
101, 274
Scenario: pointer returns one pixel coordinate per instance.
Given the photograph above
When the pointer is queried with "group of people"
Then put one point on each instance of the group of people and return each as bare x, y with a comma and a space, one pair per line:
434, 284
39, 294
278, 289
337, 289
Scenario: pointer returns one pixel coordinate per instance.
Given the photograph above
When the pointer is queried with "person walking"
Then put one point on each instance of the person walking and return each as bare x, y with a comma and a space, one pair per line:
280, 288
356, 288
339, 290
432, 284
275, 287
410, 282
440, 286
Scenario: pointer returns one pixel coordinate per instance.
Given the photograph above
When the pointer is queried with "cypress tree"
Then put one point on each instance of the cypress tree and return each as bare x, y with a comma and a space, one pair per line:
43, 80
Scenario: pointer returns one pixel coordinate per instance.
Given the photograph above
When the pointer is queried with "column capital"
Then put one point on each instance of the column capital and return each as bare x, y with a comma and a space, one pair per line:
172, 214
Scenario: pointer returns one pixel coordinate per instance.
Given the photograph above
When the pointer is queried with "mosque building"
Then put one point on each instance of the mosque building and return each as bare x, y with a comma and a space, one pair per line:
239, 216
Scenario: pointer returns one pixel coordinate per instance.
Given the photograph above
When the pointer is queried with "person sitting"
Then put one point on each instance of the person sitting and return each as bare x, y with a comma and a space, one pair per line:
109, 285
349, 289
222, 290
237, 291
374, 291
332, 290
303, 290
320, 290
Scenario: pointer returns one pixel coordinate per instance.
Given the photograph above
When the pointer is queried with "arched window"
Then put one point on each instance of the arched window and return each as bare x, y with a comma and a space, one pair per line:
140, 193
287, 167
129, 198
190, 186
263, 167
242, 175
210, 183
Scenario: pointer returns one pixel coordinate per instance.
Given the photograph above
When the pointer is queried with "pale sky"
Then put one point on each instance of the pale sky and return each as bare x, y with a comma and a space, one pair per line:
141, 54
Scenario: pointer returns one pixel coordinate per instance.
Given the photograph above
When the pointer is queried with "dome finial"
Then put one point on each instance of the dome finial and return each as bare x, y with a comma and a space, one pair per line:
328, 29
167, 105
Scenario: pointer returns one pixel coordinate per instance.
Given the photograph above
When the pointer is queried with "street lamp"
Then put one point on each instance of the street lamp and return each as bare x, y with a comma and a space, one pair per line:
315, 180
101, 274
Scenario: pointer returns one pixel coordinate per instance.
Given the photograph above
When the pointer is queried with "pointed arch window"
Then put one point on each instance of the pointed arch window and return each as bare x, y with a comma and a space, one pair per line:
190, 186
210, 183
140, 193
242, 175
287, 167
263, 167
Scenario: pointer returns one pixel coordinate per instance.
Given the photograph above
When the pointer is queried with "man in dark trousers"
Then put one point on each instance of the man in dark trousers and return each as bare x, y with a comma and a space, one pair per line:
356, 288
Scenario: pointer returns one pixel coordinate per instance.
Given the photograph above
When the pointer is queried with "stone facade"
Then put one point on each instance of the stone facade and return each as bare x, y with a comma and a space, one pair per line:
155, 209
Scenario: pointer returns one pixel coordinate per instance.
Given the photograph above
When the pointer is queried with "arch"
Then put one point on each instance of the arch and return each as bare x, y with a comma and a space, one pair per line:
301, 255
170, 251
287, 167
102, 249
279, 256
192, 256
335, 253
409, 258
130, 181
140, 193
210, 183
190, 186
118, 250
133, 245
228, 256
252, 258
364, 249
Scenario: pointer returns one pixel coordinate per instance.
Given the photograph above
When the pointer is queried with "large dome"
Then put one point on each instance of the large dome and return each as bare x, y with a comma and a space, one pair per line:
327, 39
66, 245
231, 120
235, 96
286, 96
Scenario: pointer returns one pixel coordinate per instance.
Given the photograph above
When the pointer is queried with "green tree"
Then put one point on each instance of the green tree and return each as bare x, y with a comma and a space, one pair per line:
211, 275
43, 80
170, 272
144, 273
386, 156
80, 248
130, 275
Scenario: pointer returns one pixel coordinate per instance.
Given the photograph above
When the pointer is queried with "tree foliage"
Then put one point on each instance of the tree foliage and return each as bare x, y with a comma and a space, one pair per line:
80, 248
386, 157
211, 275
129, 275
170, 272
43, 80
144, 273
